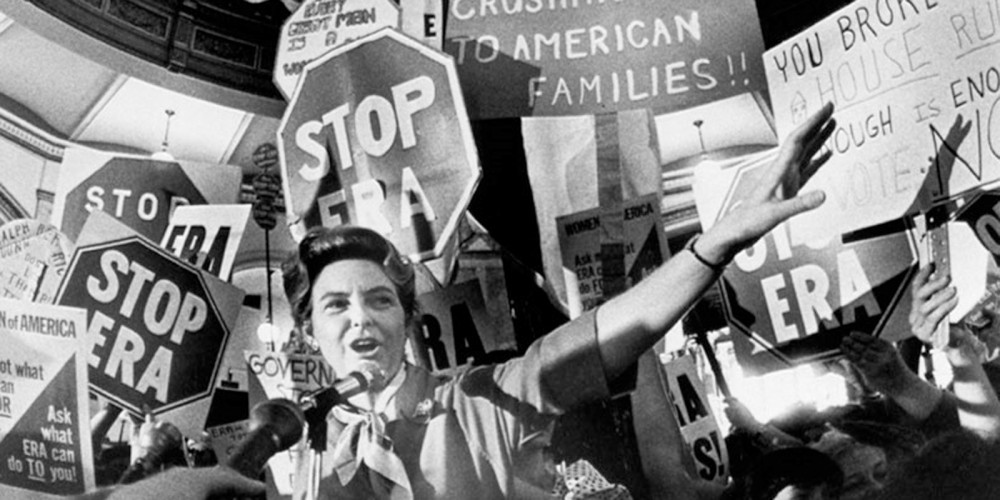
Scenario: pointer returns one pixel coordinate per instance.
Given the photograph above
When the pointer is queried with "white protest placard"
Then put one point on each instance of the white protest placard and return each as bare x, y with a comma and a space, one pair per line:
423, 20
33, 260
318, 26
286, 375
580, 242
915, 84
698, 426
207, 236
45, 445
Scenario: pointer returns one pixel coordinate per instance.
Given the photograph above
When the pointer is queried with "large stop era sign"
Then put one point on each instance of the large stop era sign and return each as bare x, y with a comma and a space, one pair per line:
157, 333
793, 302
318, 26
377, 135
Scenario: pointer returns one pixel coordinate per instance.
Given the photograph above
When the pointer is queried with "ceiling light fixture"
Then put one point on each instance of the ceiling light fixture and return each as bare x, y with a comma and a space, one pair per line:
163, 154
704, 153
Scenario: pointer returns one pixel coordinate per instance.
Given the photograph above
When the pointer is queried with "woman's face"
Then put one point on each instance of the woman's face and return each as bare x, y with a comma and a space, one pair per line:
357, 317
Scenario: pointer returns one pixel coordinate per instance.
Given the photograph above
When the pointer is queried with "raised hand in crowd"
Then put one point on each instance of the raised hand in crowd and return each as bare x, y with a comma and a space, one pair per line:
884, 370
933, 300
631, 322
976, 398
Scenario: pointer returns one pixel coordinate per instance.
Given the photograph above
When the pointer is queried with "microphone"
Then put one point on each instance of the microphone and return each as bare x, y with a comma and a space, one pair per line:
321, 400
157, 441
275, 425
317, 404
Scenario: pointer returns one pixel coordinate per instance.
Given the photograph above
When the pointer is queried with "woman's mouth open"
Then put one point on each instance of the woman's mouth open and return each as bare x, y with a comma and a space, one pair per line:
365, 347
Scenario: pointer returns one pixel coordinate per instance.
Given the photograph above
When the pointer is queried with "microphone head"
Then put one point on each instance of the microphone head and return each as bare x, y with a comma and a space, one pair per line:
373, 375
284, 417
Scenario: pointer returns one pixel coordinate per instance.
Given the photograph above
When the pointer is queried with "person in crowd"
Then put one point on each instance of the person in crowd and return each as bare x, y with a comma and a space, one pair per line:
793, 473
416, 435
960, 465
972, 394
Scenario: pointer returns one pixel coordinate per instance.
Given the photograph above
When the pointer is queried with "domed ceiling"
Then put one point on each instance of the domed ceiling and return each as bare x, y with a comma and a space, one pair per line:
106, 73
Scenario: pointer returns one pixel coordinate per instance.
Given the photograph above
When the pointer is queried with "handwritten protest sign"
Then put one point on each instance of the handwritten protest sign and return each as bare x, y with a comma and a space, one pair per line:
285, 375
33, 259
580, 240
456, 327
318, 26
538, 58
915, 85
45, 444
207, 236
698, 426
157, 326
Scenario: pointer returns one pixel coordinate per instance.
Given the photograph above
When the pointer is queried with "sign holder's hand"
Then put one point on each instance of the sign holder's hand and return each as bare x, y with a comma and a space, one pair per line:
933, 300
878, 361
775, 198
883, 368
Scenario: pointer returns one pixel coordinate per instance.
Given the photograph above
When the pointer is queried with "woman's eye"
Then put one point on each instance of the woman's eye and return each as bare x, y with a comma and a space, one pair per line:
335, 305
383, 301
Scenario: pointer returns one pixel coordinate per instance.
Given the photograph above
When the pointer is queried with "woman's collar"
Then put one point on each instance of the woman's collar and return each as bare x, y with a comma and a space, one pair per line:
383, 398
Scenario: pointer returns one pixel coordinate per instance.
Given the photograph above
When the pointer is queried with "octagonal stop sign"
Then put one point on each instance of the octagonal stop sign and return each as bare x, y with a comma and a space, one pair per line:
794, 301
377, 135
139, 192
157, 334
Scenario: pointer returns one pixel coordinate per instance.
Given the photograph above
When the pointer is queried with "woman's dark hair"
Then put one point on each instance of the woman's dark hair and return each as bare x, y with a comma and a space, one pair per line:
323, 246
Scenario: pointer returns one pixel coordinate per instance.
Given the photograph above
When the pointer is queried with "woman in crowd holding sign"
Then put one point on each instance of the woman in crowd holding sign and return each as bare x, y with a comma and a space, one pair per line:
477, 434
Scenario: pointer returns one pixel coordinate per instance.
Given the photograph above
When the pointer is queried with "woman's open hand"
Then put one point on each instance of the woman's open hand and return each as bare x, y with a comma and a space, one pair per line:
775, 197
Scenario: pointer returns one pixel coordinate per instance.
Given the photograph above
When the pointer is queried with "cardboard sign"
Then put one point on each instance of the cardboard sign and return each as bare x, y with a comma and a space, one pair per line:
318, 26
791, 301
982, 214
457, 328
207, 236
45, 444
138, 191
795, 303
283, 375
424, 20
580, 240
698, 426
33, 259
157, 327
377, 135
915, 85
542, 58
